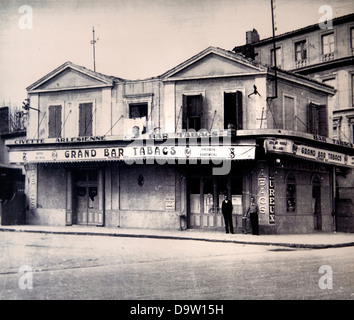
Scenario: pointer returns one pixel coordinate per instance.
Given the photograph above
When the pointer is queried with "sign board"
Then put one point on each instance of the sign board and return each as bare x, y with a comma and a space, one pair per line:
285, 146
134, 153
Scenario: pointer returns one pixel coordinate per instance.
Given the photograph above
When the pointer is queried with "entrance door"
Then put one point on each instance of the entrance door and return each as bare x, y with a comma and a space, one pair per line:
316, 198
86, 196
205, 198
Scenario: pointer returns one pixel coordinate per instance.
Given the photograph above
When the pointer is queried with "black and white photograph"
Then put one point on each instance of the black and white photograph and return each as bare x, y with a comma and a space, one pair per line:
178, 155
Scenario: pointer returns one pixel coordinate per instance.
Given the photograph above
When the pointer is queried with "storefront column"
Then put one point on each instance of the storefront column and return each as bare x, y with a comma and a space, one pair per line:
100, 220
69, 199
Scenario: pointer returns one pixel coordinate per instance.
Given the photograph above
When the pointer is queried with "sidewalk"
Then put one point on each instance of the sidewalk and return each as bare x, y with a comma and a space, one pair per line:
315, 240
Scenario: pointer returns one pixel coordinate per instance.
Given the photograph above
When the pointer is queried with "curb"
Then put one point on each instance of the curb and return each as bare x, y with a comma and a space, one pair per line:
173, 237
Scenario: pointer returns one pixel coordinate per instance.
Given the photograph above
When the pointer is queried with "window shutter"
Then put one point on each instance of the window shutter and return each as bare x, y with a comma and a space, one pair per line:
312, 118
85, 119
322, 120
54, 121
184, 112
239, 110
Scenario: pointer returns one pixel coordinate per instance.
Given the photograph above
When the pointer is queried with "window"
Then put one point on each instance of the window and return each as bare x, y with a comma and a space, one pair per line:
192, 112
352, 39
54, 124
138, 110
317, 119
290, 193
300, 50
337, 122
85, 119
327, 47
278, 57
233, 109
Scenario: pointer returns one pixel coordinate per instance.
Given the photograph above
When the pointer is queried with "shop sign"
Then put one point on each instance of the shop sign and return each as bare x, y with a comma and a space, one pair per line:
271, 200
306, 152
170, 203
32, 187
262, 190
59, 140
134, 153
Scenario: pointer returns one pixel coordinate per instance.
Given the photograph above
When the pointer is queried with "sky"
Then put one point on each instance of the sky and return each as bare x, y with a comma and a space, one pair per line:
137, 39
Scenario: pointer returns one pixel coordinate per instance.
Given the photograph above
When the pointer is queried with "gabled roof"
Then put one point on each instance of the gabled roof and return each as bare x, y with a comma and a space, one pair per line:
228, 55
99, 78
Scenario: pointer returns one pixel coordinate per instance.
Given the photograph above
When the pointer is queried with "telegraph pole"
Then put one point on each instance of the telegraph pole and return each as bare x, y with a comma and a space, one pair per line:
93, 42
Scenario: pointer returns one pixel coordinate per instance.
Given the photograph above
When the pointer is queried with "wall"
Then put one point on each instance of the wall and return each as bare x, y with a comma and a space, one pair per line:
147, 196
302, 96
213, 90
314, 50
51, 196
302, 219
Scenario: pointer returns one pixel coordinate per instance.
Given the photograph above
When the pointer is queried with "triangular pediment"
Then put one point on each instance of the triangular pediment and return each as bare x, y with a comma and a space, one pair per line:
213, 62
69, 77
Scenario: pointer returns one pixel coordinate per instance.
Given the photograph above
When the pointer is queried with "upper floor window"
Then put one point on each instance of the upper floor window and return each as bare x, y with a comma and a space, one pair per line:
233, 109
327, 43
317, 119
300, 53
85, 119
54, 124
139, 112
352, 39
278, 57
192, 112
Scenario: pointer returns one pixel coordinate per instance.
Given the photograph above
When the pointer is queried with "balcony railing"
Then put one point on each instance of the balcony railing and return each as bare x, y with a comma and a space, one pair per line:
328, 57
301, 63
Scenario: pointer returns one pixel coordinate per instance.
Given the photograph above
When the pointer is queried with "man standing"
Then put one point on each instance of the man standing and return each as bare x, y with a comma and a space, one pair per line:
253, 212
226, 209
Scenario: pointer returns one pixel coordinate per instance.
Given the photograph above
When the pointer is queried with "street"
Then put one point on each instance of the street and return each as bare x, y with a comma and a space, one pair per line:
47, 266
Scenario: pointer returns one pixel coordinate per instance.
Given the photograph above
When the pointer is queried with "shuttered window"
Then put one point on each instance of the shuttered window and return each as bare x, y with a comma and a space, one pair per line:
192, 112
317, 119
54, 121
85, 119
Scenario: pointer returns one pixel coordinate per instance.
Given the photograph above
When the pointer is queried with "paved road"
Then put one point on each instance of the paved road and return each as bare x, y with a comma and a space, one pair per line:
99, 267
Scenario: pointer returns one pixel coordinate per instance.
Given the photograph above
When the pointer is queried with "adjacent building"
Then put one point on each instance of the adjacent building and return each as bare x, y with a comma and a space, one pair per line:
12, 179
325, 52
162, 152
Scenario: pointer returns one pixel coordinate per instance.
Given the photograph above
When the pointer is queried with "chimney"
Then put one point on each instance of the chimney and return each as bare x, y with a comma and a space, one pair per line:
252, 36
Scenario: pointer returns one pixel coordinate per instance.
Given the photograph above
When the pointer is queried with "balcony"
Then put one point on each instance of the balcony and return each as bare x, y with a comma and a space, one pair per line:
328, 57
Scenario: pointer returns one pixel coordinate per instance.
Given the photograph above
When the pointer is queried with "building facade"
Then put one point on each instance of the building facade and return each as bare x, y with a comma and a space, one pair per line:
324, 52
162, 152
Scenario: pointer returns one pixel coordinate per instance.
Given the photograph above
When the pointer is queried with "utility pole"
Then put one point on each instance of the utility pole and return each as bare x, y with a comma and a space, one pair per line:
93, 42
274, 51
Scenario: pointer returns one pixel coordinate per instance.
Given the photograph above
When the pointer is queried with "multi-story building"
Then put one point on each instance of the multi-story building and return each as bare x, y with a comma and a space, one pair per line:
162, 152
12, 198
324, 52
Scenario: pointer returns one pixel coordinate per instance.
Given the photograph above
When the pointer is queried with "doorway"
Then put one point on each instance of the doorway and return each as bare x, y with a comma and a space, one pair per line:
86, 197
205, 196
316, 203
